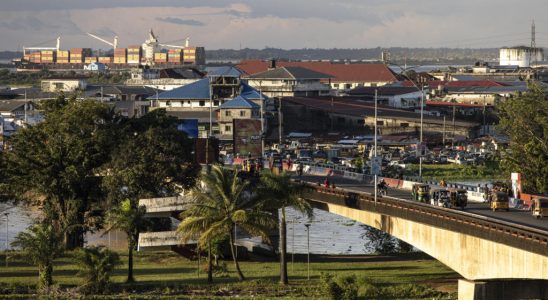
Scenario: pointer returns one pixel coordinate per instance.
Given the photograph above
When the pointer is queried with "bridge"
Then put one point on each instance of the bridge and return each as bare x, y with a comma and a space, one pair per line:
500, 255
498, 259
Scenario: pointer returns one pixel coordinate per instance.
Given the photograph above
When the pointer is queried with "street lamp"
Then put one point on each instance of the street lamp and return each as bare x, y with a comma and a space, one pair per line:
307, 225
7, 233
375, 149
422, 115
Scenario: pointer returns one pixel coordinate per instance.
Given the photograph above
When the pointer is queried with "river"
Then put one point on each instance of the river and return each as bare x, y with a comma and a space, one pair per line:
329, 234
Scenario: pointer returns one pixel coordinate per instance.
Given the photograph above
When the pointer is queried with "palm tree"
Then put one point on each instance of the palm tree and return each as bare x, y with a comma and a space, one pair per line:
279, 192
96, 264
218, 204
41, 244
130, 219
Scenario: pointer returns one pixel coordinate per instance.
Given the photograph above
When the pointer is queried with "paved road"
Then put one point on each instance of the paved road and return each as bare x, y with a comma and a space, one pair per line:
515, 216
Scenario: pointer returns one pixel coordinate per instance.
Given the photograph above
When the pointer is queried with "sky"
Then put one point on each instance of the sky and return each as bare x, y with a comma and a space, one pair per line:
288, 24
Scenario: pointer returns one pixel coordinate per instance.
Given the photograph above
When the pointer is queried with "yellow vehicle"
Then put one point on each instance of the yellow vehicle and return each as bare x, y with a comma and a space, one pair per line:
458, 198
539, 207
421, 192
499, 200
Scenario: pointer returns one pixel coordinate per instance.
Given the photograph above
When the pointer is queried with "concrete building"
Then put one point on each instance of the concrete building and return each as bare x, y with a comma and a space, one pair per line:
237, 108
63, 84
343, 76
290, 82
321, 115
202, 99
164, 79
521, 56
398, 97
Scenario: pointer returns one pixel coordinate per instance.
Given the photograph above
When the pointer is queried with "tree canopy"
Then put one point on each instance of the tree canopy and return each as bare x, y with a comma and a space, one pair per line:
525, 120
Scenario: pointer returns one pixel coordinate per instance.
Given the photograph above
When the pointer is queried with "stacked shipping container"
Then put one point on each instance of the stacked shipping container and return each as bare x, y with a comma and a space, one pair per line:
77, 55
47, 56
160, 58
91, 59
174, 56
120, 55
134, 54
63, 57
105, 59
35, 57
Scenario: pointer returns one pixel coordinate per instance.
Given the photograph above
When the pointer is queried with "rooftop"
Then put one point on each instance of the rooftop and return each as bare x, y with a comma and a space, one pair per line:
240, 102
290, 73
339, 72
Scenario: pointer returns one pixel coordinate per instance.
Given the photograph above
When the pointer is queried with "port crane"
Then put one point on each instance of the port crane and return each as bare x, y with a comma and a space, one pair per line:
114, 43
56, 48
187, 44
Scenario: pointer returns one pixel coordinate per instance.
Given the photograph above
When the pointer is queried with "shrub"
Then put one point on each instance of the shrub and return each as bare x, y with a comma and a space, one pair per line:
96, 264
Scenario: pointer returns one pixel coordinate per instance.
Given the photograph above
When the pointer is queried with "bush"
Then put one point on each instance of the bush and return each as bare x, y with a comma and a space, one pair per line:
96, 264
341, 288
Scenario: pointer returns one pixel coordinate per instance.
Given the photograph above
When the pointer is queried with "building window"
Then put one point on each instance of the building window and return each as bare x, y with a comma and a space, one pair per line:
188, 102
182, 103
228, 113
216, 103
361, 122
168, 103
202, 103
228, 128
404, 124
336, 85
242, 113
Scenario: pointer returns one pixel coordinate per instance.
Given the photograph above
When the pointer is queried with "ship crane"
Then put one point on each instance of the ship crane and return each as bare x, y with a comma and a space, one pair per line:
56, 48
187, 43
114, 43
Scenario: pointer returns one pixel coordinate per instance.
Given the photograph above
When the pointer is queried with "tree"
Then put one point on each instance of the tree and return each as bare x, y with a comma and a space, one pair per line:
40, 245
524, 119
130, 219
219, 204
56, 162
378, 241
96, 264
279, 192
152, 159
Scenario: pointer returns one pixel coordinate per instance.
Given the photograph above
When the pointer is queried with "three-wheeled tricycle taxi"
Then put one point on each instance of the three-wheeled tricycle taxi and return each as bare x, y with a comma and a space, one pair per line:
440, 197
539, 207
421, 192
499, 200
458, 198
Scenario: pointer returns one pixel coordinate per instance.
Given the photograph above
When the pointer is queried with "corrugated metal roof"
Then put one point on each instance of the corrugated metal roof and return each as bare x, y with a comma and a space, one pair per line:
251, 93
340, 72
290, 73
383, 91
240, 102
195, 90
225, 71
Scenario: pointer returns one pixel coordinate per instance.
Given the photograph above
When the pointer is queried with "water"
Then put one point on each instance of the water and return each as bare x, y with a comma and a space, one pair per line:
329, 234
19, 219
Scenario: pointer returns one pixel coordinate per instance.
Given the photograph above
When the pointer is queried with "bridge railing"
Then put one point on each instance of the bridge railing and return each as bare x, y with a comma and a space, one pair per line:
519, 236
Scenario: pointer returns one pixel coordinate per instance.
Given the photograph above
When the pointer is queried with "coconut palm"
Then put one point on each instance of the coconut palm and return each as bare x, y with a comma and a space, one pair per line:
279, 192
96, 264
130, 219
41, 244
218, 204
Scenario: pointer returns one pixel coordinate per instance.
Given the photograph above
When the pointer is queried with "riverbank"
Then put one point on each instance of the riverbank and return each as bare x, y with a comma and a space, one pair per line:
164, 274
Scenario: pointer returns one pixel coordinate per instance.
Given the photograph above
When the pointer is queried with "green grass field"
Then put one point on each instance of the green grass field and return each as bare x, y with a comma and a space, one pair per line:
454, 172
168, 275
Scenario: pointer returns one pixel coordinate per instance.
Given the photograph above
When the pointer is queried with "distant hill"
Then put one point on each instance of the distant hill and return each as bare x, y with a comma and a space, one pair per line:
397, 54
10, 54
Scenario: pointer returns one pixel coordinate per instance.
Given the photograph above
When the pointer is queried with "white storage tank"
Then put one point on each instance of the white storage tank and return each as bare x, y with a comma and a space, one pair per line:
521, 56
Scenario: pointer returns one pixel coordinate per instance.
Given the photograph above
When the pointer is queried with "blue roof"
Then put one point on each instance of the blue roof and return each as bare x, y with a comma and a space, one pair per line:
226, 71
240, 102
250, 92
195, 90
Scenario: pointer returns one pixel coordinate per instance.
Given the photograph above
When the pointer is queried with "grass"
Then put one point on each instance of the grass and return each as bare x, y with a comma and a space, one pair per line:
169, 275
454, 172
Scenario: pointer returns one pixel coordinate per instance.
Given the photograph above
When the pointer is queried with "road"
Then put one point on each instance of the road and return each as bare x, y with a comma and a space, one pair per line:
514, 216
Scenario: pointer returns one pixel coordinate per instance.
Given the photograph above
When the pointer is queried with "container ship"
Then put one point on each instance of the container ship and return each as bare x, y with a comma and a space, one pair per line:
151, 53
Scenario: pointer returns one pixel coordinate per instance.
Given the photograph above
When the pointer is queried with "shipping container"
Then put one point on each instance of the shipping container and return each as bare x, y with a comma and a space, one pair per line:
105, 59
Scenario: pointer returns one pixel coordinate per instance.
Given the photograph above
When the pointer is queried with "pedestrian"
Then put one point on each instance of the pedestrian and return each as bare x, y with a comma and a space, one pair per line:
326, 182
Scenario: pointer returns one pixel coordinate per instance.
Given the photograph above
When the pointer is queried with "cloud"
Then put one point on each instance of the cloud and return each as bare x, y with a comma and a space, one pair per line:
180, 21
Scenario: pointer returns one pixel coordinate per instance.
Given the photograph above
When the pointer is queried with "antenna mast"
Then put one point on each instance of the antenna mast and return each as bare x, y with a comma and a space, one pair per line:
533, 43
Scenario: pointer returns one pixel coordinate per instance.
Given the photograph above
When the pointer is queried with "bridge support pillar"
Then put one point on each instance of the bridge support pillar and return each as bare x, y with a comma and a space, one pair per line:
503, 289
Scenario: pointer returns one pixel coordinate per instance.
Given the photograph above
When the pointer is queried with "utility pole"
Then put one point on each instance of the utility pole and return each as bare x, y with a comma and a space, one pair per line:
422, 116
375, 149
453, 140
280, 123
307, 225
262, 121
443, 139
